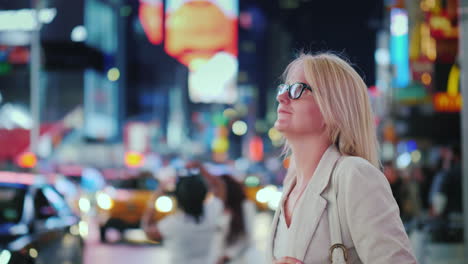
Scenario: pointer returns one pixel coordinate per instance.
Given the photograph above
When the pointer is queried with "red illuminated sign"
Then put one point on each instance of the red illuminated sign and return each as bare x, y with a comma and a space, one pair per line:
445, 102
151, 18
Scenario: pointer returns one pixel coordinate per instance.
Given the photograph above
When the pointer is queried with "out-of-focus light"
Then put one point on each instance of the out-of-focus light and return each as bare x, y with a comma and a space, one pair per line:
428, 43
411, 146
47, 15
83, 226
84, 204
426, 78
18, 115
239, 128
453, 81
33, 253
5, 256
403, 161
416, 156
220, 145
256, 151
402, 147
74, 230
399, 22
151, 18
274, 134
443, 102
79, 34
113, 74
382, 56
265, 194
164, 204
399, 47
215, 80
252, 181
19, 229
275, 199
27, 160
388, 151
104, 201
134, 159
24, 19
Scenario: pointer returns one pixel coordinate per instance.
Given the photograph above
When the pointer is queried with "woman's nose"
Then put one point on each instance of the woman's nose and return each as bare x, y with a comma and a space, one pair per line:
283, 98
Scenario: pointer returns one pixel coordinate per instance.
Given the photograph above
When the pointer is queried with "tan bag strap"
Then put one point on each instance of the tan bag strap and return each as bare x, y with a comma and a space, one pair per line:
336, 256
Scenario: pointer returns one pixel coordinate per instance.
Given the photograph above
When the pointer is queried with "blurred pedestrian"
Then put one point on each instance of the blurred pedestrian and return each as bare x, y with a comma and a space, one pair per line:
446, 191
394, 179
239, 216
336, 204
189, 234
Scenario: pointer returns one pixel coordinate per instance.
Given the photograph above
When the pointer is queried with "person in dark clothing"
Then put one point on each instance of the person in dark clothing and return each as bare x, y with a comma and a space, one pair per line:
447, 187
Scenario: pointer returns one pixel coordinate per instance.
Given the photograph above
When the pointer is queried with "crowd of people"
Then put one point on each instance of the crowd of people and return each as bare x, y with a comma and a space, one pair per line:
430, 197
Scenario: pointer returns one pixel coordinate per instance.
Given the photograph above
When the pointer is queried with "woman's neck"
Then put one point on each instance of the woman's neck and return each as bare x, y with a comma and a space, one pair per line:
307, 152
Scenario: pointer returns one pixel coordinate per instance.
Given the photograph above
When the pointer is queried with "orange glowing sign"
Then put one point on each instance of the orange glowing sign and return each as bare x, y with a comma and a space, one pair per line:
27, 160
196, 30
445, 102
151, 18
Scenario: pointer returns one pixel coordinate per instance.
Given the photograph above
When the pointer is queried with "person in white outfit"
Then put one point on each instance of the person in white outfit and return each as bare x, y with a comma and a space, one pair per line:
189, 234
337, 204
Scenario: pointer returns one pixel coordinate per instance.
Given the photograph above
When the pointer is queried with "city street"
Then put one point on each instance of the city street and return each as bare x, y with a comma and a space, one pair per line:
124, 253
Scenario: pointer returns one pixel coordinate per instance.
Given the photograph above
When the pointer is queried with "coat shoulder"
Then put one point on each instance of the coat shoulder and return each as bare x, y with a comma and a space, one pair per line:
355, 170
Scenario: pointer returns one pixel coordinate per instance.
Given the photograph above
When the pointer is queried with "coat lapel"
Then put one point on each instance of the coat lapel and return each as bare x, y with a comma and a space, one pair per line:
310, 207
286, 189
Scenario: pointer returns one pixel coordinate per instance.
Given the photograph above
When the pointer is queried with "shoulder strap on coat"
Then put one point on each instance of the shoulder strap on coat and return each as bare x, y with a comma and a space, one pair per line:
336, 256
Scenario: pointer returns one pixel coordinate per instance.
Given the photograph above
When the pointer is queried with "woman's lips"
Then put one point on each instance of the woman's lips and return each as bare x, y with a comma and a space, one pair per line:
284, 112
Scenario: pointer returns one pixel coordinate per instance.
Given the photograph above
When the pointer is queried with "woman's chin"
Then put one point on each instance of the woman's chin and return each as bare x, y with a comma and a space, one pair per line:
281, 126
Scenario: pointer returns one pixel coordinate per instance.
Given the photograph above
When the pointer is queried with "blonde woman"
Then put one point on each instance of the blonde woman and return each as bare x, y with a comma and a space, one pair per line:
325, 116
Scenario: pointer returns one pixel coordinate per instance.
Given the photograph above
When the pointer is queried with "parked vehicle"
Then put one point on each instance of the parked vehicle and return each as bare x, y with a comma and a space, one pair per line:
36, 223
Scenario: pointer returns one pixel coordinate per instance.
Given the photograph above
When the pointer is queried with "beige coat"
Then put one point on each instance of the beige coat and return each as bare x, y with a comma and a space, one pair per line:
370, 222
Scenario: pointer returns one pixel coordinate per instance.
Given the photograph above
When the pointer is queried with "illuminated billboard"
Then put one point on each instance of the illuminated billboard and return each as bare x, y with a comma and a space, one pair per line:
151, 18
399, 47
202, 35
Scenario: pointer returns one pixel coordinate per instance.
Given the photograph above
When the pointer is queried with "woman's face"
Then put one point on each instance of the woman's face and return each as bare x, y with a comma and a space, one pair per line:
301, 116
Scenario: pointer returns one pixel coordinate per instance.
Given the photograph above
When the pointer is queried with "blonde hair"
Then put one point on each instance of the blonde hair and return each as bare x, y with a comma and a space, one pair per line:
342, 98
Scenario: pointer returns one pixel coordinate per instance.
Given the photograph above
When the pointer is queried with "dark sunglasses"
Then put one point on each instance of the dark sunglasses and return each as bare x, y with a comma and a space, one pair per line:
294, 90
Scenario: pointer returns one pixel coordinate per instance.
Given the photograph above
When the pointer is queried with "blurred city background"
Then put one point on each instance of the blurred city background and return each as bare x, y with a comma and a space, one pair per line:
101, 101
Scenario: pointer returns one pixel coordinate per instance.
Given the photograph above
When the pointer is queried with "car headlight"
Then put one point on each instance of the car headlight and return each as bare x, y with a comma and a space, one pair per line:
5, 256
104, 201
164, 204
265, 194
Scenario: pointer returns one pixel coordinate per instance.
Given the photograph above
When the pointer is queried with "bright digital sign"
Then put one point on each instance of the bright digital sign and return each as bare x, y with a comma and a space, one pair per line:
202, 35
151, 17
399, 48
197, 30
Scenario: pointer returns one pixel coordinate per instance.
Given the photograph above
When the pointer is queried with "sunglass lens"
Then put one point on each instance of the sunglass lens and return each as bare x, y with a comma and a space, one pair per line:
282, 88
296, 90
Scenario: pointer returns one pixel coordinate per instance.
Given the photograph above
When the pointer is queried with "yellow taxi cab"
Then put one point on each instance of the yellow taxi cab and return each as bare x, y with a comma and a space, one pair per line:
265, 197
122, 204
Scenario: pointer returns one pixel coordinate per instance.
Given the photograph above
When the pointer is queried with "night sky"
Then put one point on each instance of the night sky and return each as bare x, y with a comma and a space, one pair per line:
346, 27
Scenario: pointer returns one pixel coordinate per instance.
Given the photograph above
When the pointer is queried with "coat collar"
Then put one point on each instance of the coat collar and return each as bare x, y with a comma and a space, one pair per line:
310, 207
